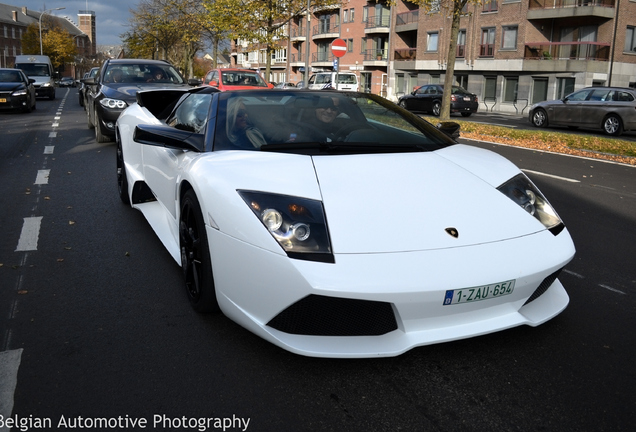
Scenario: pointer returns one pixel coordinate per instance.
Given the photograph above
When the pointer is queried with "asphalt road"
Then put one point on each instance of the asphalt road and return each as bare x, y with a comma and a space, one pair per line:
94, 323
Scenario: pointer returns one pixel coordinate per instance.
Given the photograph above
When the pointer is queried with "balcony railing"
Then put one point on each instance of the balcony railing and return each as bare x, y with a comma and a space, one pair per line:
567, 51
556, 4
405, 54
322, 57
407, 17
298, 32
325, 27
377, 21
376, 54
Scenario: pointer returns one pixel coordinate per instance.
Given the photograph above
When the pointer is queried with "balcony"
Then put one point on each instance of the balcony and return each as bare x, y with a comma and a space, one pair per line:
298, 34
404, 58
377, 24
407, 21
376, 57
549, 9
322, 59
325, 30
566, 57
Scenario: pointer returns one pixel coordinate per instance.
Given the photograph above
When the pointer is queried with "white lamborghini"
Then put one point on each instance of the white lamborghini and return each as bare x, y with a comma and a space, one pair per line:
338, 224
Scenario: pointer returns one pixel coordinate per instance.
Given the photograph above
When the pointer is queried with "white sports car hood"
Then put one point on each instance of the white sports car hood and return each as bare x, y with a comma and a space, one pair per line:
411, 201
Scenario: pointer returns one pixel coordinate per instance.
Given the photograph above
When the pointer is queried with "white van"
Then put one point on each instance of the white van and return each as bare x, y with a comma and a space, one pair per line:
347, 81
39, 68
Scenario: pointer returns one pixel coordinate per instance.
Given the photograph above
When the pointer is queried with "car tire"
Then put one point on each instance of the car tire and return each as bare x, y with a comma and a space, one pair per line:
89, 121
540, 118
195, 256
122, 179
466, 114
402, 103
99, 135
436, 108
52, 95
612, 125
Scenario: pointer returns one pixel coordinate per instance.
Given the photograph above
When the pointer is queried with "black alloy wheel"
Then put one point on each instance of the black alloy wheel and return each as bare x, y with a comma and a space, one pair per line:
122, 179
540, 118
195, 256
437, 108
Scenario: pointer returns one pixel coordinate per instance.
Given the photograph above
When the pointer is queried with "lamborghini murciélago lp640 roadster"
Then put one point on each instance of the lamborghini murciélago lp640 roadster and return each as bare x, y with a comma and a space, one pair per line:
337, 224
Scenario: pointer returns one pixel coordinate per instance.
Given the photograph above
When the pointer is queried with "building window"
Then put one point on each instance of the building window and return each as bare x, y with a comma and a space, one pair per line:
431, 43
565, 86
539, 90
12, 32
363, 46
345, 15
461, 44
509, 39
487, 47
511, 86
490, 6
630, 39
5, 31
490, 88
351, 13
349, 45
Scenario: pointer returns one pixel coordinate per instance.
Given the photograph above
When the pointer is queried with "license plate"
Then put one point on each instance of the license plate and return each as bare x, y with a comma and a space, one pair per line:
484, 292
3, 100
466, 98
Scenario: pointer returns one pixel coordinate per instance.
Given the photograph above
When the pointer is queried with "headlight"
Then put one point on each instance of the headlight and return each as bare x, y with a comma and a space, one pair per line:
46, 84
113, 103
22, 92
298, 224
521, 190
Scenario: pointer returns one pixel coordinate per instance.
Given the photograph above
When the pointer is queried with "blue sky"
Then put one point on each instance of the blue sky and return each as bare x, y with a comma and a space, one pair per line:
111, 16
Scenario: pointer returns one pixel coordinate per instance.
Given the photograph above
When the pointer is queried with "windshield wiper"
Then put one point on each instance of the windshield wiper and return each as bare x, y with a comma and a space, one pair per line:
343, 147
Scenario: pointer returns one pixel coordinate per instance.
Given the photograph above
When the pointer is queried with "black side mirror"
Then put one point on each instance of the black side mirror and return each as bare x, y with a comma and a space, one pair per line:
449, 128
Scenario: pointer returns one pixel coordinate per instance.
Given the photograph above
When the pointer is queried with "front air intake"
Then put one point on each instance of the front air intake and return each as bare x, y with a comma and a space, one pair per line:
331, 316
543, 286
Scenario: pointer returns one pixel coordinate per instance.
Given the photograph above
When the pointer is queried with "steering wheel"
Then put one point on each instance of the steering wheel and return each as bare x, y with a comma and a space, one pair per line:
342, 133
306, 126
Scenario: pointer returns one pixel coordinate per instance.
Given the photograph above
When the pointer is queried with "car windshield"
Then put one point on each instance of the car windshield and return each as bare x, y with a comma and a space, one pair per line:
10, 76
32, 69
242, 78
142, 73
311, 122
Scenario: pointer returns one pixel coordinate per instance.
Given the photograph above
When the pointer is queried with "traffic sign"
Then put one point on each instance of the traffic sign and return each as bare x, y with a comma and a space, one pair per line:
338, 47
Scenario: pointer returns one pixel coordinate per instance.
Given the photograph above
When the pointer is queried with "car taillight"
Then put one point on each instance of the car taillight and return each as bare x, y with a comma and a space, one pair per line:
453, 98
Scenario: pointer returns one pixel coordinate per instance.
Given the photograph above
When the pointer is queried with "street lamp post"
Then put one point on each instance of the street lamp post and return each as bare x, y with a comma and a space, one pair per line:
40, 24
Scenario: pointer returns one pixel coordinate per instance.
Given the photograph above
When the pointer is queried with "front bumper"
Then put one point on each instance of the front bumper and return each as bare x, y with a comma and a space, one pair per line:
13, 103
108, 119
255, 288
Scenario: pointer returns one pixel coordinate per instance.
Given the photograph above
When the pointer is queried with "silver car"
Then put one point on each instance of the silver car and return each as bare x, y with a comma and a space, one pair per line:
612, 109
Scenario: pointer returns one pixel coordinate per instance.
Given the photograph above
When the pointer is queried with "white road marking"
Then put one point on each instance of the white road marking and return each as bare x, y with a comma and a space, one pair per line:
42, 177
52, 134
612, 289
573, 274
9, 365
551, 176
30, 233
48, 149
55, 125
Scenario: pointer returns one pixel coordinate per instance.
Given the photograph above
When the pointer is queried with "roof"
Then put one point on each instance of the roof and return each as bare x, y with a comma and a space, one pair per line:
27, 17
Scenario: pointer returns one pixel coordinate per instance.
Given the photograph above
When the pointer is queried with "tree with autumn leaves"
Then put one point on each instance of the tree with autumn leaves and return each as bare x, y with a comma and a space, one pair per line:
57, 43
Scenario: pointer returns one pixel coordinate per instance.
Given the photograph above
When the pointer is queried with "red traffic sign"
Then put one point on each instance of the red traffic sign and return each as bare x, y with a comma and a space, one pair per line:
338, 47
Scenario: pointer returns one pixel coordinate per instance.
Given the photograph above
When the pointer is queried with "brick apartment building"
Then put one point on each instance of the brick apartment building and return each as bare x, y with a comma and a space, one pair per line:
511, 53
13, 25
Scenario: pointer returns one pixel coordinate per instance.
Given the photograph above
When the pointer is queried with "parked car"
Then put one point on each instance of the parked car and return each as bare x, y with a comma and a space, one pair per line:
347, 81
17, 92
82, 87
285, 85
428, 98
235, 79
611, 109
40, 68
67, 82
115, 86
336, 224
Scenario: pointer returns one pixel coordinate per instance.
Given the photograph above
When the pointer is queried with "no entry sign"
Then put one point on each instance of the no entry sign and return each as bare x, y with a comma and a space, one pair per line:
338, 47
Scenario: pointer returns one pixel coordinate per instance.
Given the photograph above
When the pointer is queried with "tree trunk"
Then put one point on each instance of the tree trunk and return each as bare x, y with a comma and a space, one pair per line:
458, 5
